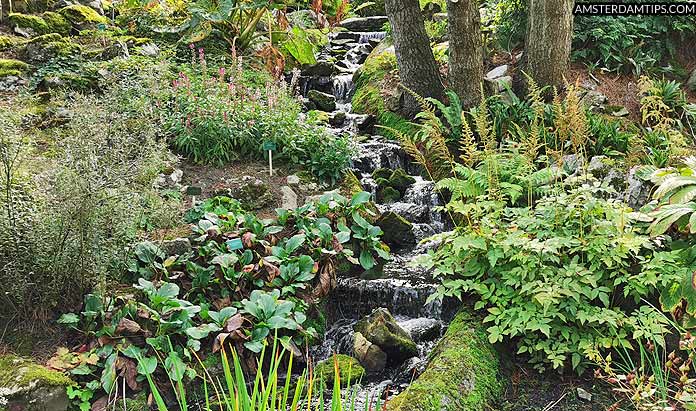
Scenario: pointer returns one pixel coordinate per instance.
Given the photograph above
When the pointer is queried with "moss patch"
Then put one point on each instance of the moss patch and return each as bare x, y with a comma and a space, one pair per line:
463, 373
81, 16
16, 372
10, 42
348, 369
56, 23
371, 85
27, 21
9, 67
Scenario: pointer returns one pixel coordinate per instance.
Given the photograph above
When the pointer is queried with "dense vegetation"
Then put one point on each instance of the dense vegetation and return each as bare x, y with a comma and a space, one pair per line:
139, 214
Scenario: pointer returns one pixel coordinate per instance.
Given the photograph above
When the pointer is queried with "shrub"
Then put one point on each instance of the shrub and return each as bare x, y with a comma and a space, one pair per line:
558, 277
229, 115
68, 215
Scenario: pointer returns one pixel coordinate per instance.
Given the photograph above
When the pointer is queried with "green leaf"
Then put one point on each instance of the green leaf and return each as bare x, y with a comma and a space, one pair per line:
147, 365
367, 261
360, 198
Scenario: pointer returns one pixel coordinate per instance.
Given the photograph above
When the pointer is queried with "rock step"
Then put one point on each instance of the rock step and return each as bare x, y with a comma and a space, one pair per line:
365, 24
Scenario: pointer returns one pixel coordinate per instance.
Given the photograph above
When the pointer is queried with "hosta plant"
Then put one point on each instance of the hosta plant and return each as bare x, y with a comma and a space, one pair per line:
676, 197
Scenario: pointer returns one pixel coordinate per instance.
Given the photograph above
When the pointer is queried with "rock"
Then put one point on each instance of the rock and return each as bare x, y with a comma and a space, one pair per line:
500, 84
346, 35
383, 173
348, 368
177, 246
638, 188
41, 49
422, 329
410, 370
572, 163
497, 72
289, 198
370, 355
321, 68
369, 7
462, 374
400, 180
27, 25
388, 195
380, 328
323, 101
691, 83
584, 395
397, 231
117, 49
175, 177
589, 84
56, 23
82, 17
253, 193
293, 180
338, 119
599, 166
372, 23
593, 99
149, 50
27, 386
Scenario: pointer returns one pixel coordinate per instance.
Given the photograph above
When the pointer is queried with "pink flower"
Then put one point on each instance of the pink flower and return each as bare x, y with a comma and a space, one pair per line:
221, 72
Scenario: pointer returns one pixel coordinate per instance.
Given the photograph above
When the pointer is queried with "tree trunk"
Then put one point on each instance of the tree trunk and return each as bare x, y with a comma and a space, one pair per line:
417, 67
548, 41
465, 50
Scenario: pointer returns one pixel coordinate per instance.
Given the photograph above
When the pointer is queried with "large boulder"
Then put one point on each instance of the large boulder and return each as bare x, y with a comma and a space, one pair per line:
27, 25
56, 23
367, 8
253, 193
27, 386
83, 17
41, 49
398, 232
380, 328
462, 374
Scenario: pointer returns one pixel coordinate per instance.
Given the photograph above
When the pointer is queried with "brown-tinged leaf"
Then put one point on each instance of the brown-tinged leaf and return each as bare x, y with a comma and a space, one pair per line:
327, 280
129, 371
338, 247
248, 268
248, 239
221, 303
272, 270
142, 313
219, 341
101, 404
127, 325
234, 323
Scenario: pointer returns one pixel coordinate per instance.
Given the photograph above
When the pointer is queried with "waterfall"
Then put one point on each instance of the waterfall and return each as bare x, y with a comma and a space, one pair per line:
373, 35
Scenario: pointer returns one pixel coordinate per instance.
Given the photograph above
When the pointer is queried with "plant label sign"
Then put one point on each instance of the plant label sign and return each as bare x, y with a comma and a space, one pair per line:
270, 146
235, 244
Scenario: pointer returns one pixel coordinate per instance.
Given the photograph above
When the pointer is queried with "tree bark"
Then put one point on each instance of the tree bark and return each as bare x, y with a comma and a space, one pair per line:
417, 67
465, 50
548, 41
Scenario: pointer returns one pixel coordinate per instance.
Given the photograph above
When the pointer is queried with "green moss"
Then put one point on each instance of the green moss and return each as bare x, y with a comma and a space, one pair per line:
463, 373
80, 15
369, 7
384, 173
348, 369
389, 195
28, 21
137, 403
10, 42
56, 23
16, 372
9, 67
318, 116
380, 328
400, 180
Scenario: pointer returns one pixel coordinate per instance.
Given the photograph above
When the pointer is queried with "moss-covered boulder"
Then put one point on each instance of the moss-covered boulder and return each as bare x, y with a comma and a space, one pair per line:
400, 180
82, 17
10, 67
28, 25
398, 231
27, 386
10, 42
41, 49
383, 173
368, 8
253, 193
56, 23
380, 328
463, 372
348, 369
370, 355
388, 195
323, 101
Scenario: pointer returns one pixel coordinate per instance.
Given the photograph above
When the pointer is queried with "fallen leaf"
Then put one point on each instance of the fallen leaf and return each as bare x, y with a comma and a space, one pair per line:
127, 325
234, 323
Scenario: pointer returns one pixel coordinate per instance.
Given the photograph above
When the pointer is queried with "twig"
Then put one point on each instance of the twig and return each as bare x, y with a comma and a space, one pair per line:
550, 405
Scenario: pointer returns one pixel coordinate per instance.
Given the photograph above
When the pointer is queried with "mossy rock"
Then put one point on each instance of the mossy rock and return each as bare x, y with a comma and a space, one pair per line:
28, 23
380, 328
372, 8
56, 23
82, 17
398, 231
318, 116
10, 42
9, 67
400, 180
49, 46
323, 101
388, 195
348, 369
376, 91
463, 372
253, 193
384, 173
27, 386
